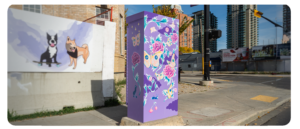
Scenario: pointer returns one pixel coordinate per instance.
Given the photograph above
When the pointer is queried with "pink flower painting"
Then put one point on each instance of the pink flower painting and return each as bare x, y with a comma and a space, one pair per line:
175, 90
157, 46
167, 29
150, 78
174, 37
168, 71
135, 58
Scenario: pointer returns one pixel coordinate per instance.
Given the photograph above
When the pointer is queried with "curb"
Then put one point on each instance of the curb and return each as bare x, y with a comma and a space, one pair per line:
252, 115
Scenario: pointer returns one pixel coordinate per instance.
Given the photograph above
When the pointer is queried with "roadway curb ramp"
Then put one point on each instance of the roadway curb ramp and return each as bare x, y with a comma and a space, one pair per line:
170, 121
206, 83
250, 115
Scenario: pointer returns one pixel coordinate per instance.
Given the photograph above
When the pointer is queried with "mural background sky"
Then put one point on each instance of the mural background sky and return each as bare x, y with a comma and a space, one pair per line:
267, 31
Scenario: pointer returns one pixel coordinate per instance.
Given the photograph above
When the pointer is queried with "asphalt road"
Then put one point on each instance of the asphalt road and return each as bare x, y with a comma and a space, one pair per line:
279, 82
279, 116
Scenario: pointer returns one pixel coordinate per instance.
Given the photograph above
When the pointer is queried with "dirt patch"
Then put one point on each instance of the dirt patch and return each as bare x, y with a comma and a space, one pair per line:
185, 88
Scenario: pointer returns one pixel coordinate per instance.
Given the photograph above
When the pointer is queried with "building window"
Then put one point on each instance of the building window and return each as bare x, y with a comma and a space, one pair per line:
100, 20
33, 8
120, 31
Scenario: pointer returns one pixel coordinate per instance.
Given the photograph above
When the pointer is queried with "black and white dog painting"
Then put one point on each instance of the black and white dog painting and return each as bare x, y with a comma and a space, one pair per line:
51, 51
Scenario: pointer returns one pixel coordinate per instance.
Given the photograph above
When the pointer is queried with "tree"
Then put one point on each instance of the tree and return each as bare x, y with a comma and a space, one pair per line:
167, 11
187, 50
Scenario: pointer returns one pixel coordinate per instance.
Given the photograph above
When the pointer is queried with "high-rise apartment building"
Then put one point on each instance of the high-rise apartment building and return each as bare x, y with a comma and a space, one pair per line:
286, 19
286, 24
242, 26
213, 24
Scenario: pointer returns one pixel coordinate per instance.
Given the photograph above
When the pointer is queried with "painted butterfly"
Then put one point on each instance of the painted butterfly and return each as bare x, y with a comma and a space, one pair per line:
159, 76
152, 60
169, 93
136, 40
172, 62
169, 42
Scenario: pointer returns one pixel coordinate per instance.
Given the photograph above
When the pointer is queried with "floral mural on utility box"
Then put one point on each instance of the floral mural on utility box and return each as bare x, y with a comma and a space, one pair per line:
158, 75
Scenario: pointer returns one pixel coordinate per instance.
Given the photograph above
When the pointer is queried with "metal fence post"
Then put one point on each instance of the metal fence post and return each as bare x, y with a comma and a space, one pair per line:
179, 74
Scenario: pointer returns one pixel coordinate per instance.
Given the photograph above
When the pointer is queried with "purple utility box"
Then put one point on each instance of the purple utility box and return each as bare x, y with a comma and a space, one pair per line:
152, 66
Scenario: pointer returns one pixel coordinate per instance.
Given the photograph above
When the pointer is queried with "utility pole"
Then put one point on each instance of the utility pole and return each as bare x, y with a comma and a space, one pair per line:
206, 76
202, 46
276, 30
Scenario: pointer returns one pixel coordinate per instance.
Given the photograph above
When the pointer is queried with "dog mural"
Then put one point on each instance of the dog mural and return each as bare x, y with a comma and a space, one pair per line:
51, 51
75, 51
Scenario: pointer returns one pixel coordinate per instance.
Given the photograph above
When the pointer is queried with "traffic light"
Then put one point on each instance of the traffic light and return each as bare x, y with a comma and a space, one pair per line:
215, 34
257, 13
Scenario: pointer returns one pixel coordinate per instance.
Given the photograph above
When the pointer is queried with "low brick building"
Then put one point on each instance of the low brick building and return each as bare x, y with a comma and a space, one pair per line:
83, 12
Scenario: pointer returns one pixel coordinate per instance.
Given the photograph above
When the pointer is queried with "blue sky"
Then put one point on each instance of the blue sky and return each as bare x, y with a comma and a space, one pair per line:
267, 31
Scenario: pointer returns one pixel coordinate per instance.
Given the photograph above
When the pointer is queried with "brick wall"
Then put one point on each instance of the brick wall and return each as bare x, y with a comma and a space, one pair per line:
83, 12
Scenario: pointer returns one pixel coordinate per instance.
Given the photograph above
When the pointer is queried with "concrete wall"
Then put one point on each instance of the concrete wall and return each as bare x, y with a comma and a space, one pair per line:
33, 92
196, 59
262, 65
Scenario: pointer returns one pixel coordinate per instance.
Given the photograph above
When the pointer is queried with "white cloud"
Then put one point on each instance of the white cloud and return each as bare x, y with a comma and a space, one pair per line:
34, 36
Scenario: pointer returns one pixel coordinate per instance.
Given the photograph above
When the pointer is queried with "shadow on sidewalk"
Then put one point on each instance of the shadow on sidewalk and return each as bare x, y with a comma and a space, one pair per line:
115, 113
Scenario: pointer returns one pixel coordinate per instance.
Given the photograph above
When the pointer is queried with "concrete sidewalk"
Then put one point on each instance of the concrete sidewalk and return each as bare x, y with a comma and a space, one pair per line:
236, 103
233, 103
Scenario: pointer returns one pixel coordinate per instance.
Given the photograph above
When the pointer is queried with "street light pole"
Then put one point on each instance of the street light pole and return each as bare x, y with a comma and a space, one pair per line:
276, 31
206, 76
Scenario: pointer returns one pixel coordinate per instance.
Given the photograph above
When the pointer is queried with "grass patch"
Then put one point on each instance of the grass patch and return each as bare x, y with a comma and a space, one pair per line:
13, 116
118, 86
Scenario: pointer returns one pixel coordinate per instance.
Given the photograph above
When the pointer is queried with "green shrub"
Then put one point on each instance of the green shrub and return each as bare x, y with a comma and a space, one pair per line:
112, 102
118, 86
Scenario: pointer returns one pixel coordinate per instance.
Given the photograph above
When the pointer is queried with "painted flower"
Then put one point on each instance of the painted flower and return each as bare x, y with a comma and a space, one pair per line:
155, 107
170, 54
174, 37
150, 78
169, 71
175, 90
135, 58
151, 110
157, 46
167, 29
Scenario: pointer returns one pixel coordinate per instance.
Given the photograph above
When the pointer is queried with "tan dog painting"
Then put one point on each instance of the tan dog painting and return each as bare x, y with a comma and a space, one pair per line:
75, 51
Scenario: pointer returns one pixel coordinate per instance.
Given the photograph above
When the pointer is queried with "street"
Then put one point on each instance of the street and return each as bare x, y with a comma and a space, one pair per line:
271, 80
279, 116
